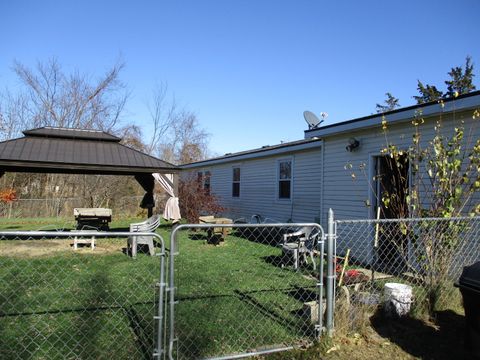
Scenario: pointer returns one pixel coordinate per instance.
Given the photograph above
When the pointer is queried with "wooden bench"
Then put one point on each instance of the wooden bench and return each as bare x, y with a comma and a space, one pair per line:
79, 240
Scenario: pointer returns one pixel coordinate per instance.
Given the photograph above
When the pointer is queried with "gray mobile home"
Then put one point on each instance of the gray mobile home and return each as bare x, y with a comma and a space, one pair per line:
281, 182
334, 166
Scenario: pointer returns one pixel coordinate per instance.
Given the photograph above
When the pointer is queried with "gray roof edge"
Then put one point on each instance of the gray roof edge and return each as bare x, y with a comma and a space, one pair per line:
398, 116
273, 150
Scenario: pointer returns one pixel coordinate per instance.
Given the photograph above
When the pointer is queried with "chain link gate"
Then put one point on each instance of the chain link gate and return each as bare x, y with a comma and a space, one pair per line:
235, 290
57, 303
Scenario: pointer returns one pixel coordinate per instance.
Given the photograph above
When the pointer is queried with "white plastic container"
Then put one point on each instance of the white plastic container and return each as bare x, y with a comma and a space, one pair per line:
397, 298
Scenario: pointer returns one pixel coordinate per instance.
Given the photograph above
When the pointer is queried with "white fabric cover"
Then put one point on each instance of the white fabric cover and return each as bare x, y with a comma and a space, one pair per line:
172, 209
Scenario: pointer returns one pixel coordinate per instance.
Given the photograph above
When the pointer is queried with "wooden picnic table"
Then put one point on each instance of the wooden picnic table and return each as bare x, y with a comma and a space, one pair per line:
213, 232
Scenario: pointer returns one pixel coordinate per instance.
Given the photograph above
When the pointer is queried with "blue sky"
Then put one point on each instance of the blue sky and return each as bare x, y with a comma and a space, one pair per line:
249, 69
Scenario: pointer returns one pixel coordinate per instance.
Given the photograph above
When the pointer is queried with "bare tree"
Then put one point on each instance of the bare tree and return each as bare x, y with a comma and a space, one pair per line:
53, 98
162, 114
177, 135
13, 113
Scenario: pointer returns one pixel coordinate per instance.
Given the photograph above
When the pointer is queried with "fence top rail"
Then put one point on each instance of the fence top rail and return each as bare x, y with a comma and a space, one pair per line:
438, 219
248, 225
83, 233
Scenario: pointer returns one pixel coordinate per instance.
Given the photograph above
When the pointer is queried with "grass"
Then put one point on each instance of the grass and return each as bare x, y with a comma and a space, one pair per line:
56, 303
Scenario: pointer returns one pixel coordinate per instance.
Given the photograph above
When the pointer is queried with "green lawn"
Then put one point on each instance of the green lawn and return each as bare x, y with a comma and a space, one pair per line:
57, 303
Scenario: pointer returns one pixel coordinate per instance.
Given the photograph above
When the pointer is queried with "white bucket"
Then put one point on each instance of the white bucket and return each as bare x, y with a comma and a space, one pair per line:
398, 298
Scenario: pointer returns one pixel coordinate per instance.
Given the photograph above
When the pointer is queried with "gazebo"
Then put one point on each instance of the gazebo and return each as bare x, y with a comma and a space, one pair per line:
77, 151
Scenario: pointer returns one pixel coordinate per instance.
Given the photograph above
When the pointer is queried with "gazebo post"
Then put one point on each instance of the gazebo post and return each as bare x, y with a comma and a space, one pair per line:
176, 177
175, 183
148, 183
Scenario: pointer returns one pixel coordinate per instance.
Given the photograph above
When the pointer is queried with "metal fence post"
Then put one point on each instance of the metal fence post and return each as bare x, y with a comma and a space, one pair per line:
171, 288
320, 286
330, 273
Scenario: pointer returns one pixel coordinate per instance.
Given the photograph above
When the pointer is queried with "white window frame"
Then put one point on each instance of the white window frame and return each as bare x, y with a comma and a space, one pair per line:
277, 169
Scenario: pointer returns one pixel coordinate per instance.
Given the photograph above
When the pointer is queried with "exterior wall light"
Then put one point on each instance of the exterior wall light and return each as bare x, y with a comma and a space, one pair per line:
352, 144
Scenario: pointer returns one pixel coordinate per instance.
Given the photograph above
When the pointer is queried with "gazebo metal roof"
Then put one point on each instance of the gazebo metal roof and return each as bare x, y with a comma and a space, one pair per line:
75, 151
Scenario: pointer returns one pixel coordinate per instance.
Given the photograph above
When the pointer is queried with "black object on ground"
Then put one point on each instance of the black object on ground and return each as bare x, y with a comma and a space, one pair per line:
469, 284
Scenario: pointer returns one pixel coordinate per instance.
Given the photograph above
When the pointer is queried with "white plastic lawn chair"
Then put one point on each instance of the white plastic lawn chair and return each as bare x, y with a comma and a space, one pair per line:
149, 225
305, 242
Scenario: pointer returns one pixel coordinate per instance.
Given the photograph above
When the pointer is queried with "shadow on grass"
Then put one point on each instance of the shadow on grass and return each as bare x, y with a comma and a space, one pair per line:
90, 323
119, 229
445, 340
11, 294
299, 326
143, 338
304, 294
286, 263
275, 260
198, 236
261, 234
11, 227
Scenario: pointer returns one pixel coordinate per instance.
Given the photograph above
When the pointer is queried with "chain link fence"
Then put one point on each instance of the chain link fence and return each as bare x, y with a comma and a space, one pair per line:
233, 290
54, 207
60, 303
63, 207
427, 255
243, 290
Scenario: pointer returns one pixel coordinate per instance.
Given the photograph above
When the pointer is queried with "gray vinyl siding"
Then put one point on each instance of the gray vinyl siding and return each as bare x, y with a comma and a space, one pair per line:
347, 196
259, 187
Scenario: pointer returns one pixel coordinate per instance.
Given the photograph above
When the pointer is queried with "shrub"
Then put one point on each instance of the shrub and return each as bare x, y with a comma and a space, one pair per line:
196, 200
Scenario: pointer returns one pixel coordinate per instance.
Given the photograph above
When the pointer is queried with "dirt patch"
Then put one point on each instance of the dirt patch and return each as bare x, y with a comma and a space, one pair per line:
47, 247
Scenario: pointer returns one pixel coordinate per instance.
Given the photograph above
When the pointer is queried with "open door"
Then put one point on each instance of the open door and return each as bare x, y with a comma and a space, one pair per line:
390, 202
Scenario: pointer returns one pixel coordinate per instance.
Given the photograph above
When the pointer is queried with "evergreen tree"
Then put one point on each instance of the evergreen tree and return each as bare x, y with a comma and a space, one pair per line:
427, 93
390, 103
461, 82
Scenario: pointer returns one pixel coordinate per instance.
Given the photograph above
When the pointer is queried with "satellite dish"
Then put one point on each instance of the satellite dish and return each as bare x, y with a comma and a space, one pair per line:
312, 120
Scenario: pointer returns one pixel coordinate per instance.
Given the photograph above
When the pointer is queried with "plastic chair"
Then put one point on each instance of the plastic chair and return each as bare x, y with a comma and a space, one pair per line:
305, 242
149, 225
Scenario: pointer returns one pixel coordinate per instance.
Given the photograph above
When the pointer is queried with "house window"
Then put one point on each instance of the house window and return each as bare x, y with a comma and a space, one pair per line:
206, 182
203, 178
284, 179
236, 182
